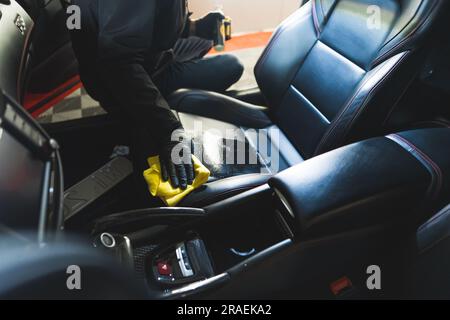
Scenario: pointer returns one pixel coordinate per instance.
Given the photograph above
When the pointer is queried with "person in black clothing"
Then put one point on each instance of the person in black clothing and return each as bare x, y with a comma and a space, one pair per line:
133, 53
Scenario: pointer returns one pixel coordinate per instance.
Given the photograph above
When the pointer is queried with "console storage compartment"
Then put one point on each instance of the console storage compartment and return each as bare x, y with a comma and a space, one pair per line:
176, 247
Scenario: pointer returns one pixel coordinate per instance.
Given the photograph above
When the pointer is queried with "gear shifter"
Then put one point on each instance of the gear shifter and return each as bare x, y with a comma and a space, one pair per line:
182, 263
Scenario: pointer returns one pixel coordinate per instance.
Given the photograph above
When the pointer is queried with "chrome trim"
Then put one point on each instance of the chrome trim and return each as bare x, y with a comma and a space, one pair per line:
106, 234
285, 202
43, 211
243, 254
285, 225
181, 261
198, 285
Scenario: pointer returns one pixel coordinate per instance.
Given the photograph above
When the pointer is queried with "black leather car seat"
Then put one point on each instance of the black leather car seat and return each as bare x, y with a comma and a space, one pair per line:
331, 75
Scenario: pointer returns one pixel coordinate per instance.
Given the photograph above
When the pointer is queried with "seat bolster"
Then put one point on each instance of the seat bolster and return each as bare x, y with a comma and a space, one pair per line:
370, 106
434, 231
418, 17
220, 107
222, 189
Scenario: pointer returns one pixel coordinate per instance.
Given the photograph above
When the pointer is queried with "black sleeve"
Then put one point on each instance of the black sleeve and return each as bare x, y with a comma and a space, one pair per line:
125, 30
187, 32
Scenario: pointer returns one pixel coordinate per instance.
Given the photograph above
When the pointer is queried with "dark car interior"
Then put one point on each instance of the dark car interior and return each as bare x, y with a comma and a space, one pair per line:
360, 120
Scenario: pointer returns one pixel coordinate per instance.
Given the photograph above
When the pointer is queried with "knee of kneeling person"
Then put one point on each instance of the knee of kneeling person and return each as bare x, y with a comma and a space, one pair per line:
237, 66
233, 68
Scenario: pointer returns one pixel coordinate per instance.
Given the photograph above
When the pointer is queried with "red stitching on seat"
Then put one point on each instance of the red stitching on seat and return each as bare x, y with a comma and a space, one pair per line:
427, 159
362, 106
315, 18
406, 38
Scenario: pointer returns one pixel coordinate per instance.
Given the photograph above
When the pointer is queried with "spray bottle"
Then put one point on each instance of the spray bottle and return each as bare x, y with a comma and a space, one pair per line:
219, 41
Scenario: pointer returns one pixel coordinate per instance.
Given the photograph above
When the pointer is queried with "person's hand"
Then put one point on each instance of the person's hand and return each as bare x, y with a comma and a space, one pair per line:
207, 27
176, 161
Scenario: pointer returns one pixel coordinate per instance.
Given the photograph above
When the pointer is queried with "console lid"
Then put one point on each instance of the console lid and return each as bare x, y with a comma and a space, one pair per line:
365, 184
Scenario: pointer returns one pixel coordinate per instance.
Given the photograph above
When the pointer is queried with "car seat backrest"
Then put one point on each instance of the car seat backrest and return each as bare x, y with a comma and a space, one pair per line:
333, 70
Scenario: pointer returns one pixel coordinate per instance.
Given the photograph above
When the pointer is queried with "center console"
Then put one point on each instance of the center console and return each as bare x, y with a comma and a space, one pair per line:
309, 224
183, 251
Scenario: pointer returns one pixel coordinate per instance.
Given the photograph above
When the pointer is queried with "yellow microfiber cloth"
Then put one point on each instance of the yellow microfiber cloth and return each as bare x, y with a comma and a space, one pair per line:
163, 190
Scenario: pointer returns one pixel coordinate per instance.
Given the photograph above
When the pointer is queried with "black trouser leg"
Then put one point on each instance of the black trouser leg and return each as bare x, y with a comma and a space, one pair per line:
214, 73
